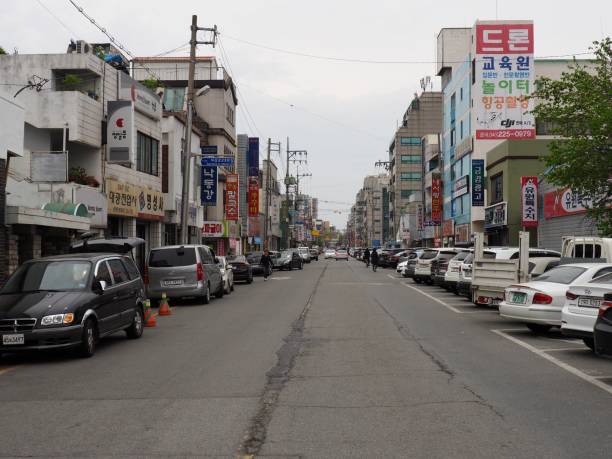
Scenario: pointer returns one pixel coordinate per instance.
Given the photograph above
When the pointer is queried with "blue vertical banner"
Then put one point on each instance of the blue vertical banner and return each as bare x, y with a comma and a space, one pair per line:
253, 157
208, 186
478, 182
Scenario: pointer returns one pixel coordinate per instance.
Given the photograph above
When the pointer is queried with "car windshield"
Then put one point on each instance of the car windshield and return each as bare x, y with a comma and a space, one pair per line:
238, 259
561, 274
171, 257
254, 257
49, 276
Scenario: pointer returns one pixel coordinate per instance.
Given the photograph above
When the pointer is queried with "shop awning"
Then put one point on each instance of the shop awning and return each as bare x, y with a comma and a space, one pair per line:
17, 215
69, 208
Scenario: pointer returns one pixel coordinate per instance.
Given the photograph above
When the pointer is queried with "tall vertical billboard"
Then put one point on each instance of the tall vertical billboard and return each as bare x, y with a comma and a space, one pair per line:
253, 180
436, 200
504, 75
231, 197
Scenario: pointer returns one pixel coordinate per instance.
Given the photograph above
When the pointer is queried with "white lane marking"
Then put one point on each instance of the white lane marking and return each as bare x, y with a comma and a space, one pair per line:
279, 278
570, 369
360, 283
558, 349
391, 276
437, 300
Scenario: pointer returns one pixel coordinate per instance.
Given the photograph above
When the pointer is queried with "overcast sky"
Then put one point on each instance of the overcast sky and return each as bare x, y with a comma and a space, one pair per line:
343, 113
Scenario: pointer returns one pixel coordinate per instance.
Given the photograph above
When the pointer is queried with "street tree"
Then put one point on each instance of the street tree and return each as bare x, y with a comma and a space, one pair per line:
578, 107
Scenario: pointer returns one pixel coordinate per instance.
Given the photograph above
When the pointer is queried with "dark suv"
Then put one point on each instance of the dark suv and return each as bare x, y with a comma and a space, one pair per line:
71, 301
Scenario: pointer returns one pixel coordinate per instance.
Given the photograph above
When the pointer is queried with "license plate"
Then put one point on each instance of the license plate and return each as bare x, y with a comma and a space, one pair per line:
495, 302
173, 282
589, 302
519, 297
9, 340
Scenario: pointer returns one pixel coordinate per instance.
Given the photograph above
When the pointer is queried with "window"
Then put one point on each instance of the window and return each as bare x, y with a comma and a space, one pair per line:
174, 99
103, 273
411, 159
452, 137
119, 273
453, 105
410, 141
229, 114
561, 274
207, 258
131, 268
461, 130
166, 258
587, 251
49, 275
461, 94
405, 194
410, 176
147, 154
497, 188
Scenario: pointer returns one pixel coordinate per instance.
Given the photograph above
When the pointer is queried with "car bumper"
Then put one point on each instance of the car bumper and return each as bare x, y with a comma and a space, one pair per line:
439, 280
51, 338
531, 314
577, 325
603, 338
257, 269
155, 293
242, 275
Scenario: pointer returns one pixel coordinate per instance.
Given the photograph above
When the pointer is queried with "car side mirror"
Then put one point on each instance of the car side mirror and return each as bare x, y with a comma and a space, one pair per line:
99, 286
216, 260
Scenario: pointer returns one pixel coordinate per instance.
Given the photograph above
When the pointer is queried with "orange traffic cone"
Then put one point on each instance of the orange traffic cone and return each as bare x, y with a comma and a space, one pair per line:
149, 318
164, 307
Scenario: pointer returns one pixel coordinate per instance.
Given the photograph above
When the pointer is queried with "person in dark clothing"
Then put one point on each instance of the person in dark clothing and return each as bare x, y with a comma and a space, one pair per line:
374, 258
266, 262
366, 257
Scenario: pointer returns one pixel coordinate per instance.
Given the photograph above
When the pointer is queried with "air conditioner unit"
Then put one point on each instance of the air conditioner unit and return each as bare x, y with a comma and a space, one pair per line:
82, 47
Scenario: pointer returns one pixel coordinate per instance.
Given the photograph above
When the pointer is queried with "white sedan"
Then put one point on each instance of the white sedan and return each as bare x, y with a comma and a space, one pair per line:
341, 255
330, 253
538, 303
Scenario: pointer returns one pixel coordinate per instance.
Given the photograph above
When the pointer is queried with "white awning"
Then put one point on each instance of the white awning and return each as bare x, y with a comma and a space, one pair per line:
17, 215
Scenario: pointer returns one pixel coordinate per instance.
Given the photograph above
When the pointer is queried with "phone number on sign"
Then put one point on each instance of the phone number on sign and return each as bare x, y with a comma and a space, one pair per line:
506, 134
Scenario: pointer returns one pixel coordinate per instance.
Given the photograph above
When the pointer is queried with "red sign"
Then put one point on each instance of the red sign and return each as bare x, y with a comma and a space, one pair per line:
212, 229
529, 201
436, 200
231, 197
504, 38
562, 202
448, 228
253, 197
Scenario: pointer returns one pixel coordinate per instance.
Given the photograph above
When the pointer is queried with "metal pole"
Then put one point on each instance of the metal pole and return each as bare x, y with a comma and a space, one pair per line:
187, 149
267, 205
287, 238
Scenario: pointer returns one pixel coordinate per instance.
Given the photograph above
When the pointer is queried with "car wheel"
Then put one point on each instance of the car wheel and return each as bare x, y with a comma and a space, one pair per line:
250, 279
87, 348
301, 265
418, 281
590, 343
206, 297
221, 291
539, 328
134, 331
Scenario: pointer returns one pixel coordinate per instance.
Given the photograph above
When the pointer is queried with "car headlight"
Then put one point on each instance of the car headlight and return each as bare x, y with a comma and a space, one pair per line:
58, 319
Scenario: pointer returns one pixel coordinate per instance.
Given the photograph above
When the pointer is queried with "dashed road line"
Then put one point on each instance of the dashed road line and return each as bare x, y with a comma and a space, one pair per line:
447, 306
570, 369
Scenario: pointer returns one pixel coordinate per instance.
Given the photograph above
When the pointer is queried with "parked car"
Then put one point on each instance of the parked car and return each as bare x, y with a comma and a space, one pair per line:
538, 303
393, 257
304, 253
314, 254
439, 267
72, 301
411, 265
242, 269
602, 333
451, 277
464, 284
341, 254
183, 271
329, 253
422, 270
581, 308
227, 273
289, 259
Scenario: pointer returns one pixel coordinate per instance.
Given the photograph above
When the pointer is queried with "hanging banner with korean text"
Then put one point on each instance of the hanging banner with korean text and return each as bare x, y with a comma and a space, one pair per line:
253, 196
504, 80
208, 186
564, 202
436, 200
477, 182
253, 157
231, 197
529, 201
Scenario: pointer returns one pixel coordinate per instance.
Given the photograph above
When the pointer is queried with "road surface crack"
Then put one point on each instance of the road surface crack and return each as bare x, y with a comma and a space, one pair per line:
277, 377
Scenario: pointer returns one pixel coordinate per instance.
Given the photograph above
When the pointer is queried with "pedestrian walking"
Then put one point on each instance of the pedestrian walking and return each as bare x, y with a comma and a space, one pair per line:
366, 257
374, 259
266, 262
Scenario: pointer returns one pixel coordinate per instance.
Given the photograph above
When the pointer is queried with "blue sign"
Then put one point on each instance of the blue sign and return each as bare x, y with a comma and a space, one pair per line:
208, 150
253, 157
478, 182
217, 161
208, 186
376, 242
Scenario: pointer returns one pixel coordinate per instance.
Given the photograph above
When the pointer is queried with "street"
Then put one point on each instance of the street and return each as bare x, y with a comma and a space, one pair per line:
331, 361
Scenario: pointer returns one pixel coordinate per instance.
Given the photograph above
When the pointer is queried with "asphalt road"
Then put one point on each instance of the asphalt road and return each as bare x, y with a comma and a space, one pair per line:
331, 361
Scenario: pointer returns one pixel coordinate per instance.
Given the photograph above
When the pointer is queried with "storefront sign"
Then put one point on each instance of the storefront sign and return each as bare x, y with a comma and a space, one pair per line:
96, 202
253, 157
529, 202
504, 80
495, 215
477, 182
150, 204
145, 100
254, 226
208, 186
213, 229
253, 196
208, 149
120, 132
448, 227
231, 197
315, 233
122, 198
436, 200
462, 233
461, 186
563, 202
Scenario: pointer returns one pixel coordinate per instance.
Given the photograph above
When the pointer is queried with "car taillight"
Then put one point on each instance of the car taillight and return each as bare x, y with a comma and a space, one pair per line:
145, 275
570, 296
200, 271
603, 307
542, 298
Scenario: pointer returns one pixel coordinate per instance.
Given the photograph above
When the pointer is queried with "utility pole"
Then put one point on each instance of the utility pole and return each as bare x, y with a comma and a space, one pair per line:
291, 154
193, 42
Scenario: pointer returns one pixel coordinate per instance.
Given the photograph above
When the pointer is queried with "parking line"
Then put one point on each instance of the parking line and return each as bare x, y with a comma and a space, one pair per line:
6, 370
570, 369
558, 349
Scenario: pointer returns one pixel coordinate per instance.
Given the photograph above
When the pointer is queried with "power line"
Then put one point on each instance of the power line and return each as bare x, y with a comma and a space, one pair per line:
62, 23
178, 48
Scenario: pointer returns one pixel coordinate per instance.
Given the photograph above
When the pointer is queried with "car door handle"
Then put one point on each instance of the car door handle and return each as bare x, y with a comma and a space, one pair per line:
116, 297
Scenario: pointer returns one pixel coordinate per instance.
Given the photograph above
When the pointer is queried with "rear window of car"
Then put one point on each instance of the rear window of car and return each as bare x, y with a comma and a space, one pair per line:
429, 254
461, 256
469, 259
131, 268
170, 258
561, 274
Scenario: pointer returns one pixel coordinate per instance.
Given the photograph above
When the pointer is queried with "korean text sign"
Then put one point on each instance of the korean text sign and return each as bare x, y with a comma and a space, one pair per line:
436, 200
563, 202
477, 182
529, 201
231, 197
213, 229
208, 186
253, 196
504, 80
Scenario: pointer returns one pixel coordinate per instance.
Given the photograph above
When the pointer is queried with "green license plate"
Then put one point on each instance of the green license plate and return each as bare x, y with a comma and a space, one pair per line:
519, 297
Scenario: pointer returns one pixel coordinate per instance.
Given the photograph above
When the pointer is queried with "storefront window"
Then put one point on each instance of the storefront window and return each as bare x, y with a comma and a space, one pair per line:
497, 188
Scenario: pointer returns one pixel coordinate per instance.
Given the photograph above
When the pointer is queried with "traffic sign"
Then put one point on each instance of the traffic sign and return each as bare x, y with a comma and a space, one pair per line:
217, 161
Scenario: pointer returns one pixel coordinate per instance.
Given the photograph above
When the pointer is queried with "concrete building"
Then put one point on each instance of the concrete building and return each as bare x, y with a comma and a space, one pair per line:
373, 187
274, 204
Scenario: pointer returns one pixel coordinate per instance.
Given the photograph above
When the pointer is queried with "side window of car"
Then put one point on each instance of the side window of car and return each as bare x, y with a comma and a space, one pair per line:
118, 270
601, 272
131, 268
103, 273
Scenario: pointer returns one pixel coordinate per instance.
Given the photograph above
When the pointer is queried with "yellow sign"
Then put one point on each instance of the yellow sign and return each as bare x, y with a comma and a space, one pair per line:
314, 232
128, 200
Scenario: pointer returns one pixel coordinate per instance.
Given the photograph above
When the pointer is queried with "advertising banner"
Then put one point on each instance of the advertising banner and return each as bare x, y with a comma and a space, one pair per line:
120, 132
150, 204
448, 227
529, 201
436, 200
231, 197
213, 229
253, 196
504, 80
253, 226
122, 198
477, 182
208, 186
253, 157
563, 202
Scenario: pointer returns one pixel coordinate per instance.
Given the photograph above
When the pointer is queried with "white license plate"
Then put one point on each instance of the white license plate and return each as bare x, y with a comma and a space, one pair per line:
589, 302
9, 340
495, 302
173, 282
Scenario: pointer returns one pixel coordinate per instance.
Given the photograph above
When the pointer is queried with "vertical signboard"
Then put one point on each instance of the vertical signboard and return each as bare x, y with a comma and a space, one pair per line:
529, 201
504, 80
253, 157
208, 186
253, 196
436, 200
477, 182
231, 197
120, 132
